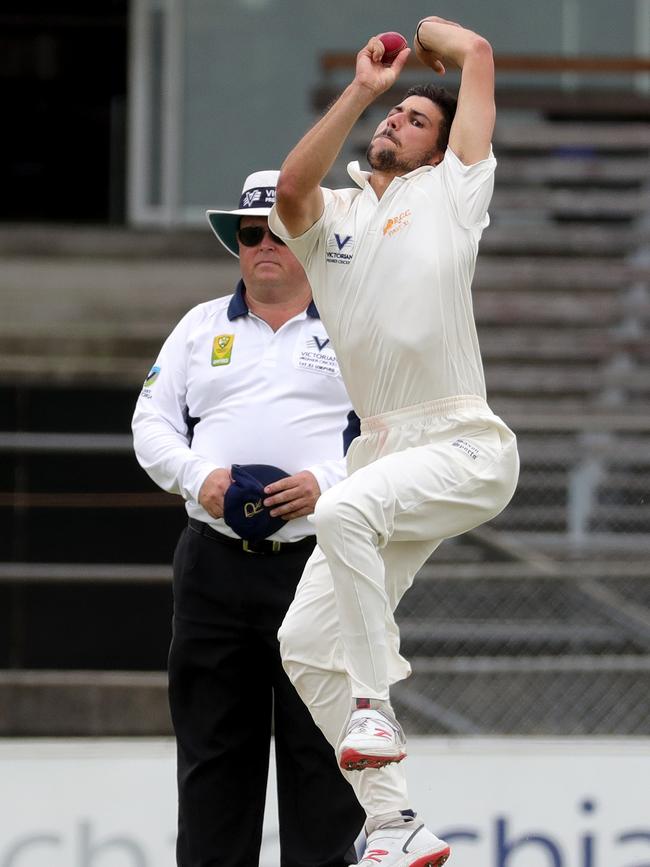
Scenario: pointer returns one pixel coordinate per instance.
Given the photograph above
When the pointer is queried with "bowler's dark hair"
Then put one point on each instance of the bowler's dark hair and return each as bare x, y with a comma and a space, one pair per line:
445, 101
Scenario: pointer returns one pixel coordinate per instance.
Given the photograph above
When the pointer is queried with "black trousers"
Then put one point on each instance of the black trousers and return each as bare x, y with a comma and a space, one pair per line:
226, 686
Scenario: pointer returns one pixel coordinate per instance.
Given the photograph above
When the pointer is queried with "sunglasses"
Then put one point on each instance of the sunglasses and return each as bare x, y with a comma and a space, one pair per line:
251, 236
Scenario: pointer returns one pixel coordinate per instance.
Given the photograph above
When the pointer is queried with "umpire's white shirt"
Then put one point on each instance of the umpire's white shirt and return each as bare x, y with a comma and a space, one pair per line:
226, 389
392, 280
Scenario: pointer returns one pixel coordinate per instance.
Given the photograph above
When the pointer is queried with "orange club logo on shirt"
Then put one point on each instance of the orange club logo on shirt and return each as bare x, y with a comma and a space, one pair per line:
393, 225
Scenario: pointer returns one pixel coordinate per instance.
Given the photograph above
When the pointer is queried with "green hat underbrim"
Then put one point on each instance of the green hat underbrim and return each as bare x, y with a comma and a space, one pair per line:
225, 224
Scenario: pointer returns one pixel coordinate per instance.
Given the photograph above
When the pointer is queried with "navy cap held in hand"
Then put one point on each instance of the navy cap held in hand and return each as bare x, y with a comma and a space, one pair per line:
242, 504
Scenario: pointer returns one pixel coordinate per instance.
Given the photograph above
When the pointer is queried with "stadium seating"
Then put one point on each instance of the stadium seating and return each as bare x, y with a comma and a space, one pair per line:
522, 626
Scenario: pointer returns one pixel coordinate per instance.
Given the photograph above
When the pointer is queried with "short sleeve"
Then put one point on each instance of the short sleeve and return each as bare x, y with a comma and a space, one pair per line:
469, 189
304, 246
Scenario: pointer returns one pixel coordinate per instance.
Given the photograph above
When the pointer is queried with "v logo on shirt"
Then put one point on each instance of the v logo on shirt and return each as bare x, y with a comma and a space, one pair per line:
341, 242
320, 345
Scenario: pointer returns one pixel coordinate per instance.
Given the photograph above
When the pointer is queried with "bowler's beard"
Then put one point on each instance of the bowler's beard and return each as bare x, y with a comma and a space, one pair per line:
385, 160
382, 160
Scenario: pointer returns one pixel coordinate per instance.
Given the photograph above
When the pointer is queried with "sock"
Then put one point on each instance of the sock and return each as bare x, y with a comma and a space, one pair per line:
372, 704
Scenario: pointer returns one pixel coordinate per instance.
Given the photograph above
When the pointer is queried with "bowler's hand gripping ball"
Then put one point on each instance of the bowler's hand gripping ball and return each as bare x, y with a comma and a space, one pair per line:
393, 44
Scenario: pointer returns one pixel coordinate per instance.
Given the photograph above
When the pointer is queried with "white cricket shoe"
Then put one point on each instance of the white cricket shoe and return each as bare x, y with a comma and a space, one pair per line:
404, 846
373, 739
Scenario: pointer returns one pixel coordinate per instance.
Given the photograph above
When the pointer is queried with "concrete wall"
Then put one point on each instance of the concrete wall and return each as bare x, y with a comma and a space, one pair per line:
247, 68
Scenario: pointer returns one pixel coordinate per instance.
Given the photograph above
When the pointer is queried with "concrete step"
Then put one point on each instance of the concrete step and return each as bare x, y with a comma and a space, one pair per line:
120, 242
83, 704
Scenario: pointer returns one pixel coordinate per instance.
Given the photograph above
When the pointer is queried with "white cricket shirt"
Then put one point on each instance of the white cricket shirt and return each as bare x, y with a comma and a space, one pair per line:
226, 389
392, 281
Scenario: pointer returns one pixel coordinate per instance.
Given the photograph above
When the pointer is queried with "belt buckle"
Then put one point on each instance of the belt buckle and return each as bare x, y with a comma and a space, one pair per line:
246, 546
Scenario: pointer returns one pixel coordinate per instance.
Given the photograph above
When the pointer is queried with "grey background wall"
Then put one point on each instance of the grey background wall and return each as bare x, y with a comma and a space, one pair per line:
249, 66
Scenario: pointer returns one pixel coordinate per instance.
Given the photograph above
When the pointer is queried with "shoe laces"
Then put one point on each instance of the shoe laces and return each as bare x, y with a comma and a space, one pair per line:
359, 725
365, 722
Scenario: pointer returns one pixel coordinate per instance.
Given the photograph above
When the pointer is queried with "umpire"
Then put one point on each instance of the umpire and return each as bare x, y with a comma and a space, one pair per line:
244, 414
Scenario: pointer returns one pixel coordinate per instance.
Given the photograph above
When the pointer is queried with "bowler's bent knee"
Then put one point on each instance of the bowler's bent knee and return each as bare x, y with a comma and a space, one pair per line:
338, 518
326, 513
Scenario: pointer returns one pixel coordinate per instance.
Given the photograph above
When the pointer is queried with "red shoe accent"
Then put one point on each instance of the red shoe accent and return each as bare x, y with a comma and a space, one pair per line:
374, 854
382, 733
436, 860
351, 760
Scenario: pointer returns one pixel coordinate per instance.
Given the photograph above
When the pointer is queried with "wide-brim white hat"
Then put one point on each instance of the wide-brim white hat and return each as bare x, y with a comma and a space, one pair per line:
257, 199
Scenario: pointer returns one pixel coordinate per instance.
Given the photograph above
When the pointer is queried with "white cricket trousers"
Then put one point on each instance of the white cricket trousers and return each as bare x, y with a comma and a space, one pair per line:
417, 476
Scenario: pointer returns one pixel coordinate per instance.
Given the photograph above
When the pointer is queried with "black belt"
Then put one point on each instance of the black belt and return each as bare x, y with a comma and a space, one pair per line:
265, 546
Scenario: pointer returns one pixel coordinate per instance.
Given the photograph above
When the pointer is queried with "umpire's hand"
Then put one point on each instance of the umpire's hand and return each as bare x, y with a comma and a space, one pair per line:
212, 492
293, 496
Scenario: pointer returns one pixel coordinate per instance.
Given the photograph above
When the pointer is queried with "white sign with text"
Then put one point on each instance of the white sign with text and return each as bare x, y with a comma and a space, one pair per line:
505, 802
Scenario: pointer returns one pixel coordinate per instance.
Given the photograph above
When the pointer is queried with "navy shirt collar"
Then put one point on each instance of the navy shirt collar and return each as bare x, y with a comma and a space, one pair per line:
239, 307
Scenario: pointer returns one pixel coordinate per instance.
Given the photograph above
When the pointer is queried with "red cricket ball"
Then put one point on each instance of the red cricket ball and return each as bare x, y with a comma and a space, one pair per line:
393, 44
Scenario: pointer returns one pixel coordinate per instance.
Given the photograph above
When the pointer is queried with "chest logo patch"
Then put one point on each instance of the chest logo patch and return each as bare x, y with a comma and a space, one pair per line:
339, 248
316, 354
393, 225
320, 343
222, 349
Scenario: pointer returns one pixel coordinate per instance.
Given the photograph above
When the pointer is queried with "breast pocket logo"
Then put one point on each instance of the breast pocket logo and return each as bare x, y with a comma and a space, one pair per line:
339, 248
316, 355
222, 349
395, 224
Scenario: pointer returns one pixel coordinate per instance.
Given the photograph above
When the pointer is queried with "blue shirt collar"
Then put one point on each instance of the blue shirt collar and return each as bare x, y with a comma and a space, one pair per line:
239, 307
